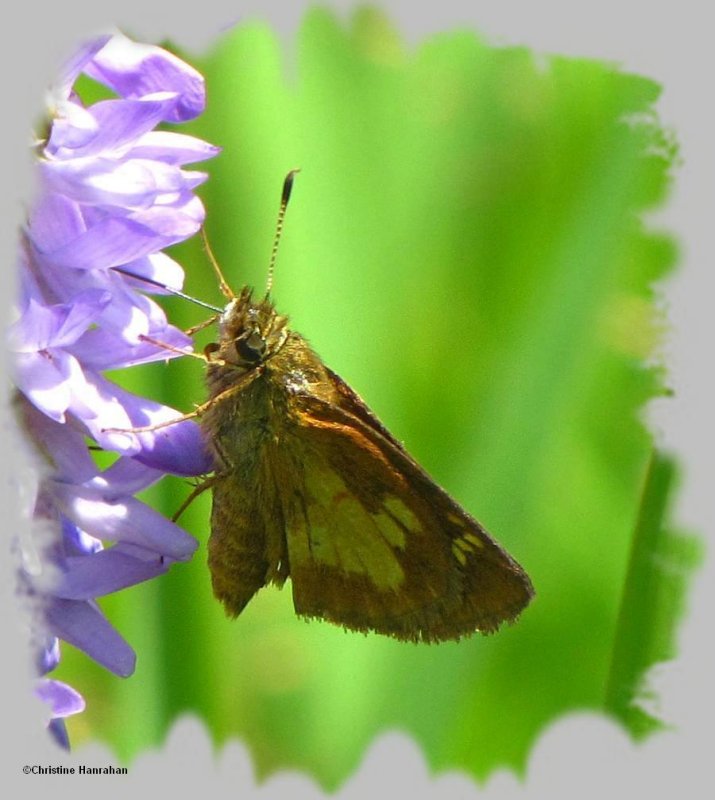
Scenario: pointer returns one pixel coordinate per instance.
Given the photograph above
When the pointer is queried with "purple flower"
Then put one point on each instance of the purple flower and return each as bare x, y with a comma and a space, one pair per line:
112, 193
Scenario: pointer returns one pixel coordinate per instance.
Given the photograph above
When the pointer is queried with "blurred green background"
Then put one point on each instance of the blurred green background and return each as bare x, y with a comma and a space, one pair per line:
465, 248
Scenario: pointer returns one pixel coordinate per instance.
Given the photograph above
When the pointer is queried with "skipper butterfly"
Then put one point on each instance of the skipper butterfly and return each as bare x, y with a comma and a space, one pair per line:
310, 485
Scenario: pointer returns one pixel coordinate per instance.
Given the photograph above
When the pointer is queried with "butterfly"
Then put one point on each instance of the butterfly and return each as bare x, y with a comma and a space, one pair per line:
310, 485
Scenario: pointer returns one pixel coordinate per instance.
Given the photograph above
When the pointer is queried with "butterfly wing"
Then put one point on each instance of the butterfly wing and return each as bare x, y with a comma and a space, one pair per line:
246, 549
374, 544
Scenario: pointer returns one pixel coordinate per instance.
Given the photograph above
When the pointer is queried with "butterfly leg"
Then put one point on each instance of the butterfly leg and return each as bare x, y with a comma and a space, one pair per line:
205, 324
200, 489
244, 381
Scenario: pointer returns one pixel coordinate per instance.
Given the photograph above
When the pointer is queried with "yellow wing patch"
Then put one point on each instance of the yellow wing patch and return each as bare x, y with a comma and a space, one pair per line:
464, 545
402, 516
330, 526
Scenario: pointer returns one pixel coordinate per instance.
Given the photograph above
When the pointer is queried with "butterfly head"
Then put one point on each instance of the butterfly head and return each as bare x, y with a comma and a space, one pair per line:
249, 333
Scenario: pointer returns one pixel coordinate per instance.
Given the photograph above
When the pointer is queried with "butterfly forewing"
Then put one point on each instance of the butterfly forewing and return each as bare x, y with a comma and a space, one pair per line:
430, 572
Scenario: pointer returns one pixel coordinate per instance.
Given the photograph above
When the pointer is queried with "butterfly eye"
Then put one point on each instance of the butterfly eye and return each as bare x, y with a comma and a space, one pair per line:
252, 347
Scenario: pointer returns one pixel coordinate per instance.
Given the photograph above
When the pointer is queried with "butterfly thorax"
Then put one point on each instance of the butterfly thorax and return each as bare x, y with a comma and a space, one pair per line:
268, 365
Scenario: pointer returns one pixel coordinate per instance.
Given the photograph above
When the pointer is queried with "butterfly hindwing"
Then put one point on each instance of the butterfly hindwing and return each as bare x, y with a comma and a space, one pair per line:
246, 549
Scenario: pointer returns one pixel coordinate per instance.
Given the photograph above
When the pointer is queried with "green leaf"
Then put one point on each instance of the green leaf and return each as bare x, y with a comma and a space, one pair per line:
659, 567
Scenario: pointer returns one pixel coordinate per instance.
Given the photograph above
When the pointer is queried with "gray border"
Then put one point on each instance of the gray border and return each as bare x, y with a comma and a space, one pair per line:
582, 756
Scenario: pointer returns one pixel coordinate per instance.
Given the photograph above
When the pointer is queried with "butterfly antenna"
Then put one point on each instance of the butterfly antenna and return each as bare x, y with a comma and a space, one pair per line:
226, 290
166, 288
285, 197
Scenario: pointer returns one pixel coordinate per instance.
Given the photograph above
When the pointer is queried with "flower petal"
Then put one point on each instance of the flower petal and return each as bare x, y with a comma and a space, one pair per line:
84, 626
71, 461
178, 448
124, 520
42, 327
157, 267
44, 383
62, 699
73, 66
172, 148
131, 315
47, 653
100, 350
36, 328
58, 731
114, 241
137, 70
77, 542
85, 577
54, 221
104, 182
126, 476
119, 123
73, 127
